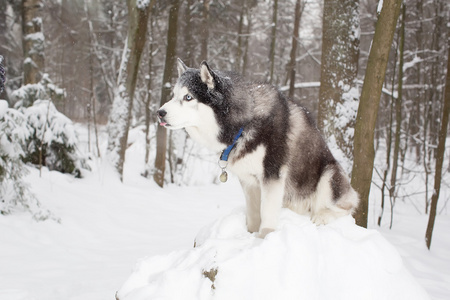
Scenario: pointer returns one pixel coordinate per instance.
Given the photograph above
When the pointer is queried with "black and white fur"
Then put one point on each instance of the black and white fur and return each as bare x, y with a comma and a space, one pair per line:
280, 159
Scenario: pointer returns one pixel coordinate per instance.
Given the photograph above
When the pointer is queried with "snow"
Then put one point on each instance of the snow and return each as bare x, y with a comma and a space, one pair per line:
298, 261
37, 21
142, 4
299, 85
138, 238
410, 64
13, 131
37, 36
50, 124
379, 6
3, 108
105, 228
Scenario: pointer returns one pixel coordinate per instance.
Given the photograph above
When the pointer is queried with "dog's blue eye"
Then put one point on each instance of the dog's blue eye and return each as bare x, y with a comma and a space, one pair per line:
187, 97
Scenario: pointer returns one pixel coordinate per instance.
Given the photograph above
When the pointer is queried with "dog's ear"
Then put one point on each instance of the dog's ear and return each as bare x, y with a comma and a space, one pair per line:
181, 67
207, 75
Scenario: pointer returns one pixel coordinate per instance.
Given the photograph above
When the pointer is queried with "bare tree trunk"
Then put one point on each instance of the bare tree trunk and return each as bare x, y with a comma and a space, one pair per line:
239, 52
120, 117
415, 119
3, 26
148, 100
364, 152
247, 37
94, 45
388, 158
338, 93
3, 46
205, 35
292, 63
398, 115
91, 90
91, 105
161, 134
389, 142
2, 75
435, 90
33, 41
189, 52
426, 162
440, 153
273, 38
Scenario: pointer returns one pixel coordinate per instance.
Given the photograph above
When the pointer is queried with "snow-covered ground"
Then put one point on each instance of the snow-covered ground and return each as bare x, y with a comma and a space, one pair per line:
114, 235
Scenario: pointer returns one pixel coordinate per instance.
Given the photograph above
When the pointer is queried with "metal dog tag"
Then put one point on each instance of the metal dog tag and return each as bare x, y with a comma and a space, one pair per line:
224, 176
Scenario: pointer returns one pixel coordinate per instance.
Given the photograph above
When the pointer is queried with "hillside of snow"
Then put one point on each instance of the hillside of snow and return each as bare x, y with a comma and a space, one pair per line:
138, 239
298, 261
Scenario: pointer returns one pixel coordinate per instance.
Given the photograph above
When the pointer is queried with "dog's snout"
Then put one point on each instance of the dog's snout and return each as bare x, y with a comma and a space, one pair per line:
161, 113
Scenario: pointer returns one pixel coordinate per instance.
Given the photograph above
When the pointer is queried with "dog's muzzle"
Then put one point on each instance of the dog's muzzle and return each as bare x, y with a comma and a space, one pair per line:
161, 114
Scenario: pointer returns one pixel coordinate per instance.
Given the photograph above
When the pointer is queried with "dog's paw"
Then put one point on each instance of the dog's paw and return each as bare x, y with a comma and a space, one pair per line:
265, 231
252, 228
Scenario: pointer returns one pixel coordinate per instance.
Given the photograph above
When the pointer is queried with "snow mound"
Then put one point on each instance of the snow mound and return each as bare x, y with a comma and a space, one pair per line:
298, 261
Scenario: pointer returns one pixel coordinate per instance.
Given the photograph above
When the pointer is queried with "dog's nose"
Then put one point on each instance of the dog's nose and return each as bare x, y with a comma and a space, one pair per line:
161, 113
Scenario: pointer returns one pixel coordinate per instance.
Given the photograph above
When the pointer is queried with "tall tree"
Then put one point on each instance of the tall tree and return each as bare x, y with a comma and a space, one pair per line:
440, 152
121, 113
363, 151
205, 31
338, 94
273, 38
398, 108
148, 100
3, 44
161, 134
33, 41
2, 75
240, 38
91, 107
295, 36
189, 42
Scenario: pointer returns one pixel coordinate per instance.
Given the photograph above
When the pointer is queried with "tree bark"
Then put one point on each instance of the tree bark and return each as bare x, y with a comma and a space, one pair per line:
440, 154
3, 26
3, 47
92, 110
239, 52
338, 93
292, 63
188, 32
246, 42
148, 100
33, 41
161, 134
388, 158
364, 152
398, 113
273, 38
205, 35
120, 118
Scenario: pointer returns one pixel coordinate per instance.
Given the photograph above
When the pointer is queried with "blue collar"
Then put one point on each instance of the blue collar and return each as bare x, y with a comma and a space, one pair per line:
227, 151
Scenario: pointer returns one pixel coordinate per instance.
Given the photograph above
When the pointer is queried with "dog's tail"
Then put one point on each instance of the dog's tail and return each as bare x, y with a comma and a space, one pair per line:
329, 206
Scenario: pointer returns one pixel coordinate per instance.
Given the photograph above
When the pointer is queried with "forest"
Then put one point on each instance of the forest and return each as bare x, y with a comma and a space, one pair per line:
111, 64
81, 82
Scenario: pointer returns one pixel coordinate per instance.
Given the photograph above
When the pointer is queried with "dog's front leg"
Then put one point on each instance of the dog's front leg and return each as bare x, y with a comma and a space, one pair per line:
272, 193
252, 193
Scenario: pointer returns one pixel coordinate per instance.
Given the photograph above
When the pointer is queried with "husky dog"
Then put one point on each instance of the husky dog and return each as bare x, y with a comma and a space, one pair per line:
271, 144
